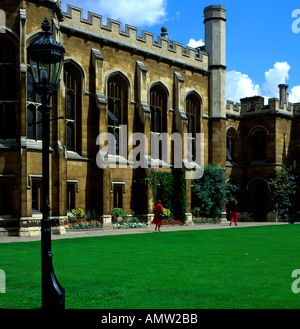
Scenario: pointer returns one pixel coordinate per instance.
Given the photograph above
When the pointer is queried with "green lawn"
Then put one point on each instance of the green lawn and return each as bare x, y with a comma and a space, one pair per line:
177, 270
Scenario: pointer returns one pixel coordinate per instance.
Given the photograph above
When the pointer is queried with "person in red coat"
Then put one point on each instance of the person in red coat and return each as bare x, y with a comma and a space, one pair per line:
234, 213
158, 216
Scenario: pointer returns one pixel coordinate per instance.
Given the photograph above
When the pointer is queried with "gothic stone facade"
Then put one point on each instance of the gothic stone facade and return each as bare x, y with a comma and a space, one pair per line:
260, 138
113, 78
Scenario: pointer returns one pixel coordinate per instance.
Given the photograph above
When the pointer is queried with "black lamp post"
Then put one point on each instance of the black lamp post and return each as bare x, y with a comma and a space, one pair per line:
46, 58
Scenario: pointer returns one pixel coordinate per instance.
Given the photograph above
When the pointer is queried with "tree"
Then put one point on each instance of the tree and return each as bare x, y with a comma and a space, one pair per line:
285, 189
211, 192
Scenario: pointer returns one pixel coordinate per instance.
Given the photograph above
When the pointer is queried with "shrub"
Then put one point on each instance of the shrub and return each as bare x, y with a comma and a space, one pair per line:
167, 213
117, 212
211, 192
78, 213
196, 212
285, 189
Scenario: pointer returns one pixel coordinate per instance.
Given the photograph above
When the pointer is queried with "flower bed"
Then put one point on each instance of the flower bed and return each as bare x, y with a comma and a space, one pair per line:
85, 225
84, 221
169, 221
134, 223
203, 220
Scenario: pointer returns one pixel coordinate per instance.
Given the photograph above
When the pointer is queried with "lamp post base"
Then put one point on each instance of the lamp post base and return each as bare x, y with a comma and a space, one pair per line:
53, 294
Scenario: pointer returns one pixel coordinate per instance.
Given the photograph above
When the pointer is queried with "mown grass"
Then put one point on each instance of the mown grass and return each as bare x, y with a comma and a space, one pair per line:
239, 268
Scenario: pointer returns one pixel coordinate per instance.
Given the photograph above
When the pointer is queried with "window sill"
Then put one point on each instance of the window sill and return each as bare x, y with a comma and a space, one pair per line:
31, 144
110, 159
71, 155
157, 163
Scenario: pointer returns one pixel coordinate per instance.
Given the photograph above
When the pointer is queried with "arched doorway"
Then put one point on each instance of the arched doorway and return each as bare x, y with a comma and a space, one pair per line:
258, 196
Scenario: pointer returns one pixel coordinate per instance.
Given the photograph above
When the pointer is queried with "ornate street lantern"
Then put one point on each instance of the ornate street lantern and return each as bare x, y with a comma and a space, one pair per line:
46, 58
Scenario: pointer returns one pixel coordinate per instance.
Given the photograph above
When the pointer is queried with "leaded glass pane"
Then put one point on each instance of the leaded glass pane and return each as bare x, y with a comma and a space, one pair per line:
30, 87
30, 123
117, 113
152, 119
158, 121
39, 126
70, 106
70, 137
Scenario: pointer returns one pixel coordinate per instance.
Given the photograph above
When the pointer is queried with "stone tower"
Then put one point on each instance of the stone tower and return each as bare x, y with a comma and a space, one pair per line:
215, 47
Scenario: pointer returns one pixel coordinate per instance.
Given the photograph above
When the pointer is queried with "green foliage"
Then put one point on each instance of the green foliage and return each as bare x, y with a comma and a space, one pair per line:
211, 193
230, 193
91, 215
285, 189
117, 212
163, 187
200, 220
196, 212
85, 224
81, 220
170, 187
78, 213
179, 196
168, 213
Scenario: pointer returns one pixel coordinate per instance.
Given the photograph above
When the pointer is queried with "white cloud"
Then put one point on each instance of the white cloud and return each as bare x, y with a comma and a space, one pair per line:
295, 95
195, 44
239, 85
275, 76
133, 12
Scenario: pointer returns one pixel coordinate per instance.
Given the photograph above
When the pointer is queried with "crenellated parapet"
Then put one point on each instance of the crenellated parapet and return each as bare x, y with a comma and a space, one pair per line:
297, 109
130, 40
255, 105
233, 109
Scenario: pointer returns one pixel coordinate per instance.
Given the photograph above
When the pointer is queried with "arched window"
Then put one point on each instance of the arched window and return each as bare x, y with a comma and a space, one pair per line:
158, 107
73, 85
117, 107
193, 113
159, 117
231, 137
34, 115
259, 145
8, 87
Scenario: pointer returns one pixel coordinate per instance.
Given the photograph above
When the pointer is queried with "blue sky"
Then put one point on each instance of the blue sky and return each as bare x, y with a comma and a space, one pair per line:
262, 49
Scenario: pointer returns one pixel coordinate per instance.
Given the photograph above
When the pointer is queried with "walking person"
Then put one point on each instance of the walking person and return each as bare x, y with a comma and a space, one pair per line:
158, 216
234, 212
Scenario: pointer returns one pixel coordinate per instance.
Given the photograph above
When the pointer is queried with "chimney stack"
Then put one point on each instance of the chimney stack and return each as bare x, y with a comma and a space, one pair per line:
283, 94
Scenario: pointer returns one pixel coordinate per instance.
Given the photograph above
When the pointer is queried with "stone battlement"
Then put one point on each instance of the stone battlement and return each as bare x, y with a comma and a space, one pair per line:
93, 27
255, 105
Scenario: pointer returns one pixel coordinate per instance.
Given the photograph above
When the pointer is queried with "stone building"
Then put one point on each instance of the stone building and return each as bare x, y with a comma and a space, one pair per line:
111, 79
260, 138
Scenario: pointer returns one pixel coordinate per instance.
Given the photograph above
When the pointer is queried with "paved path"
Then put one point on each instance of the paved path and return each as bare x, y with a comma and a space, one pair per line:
106, 232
